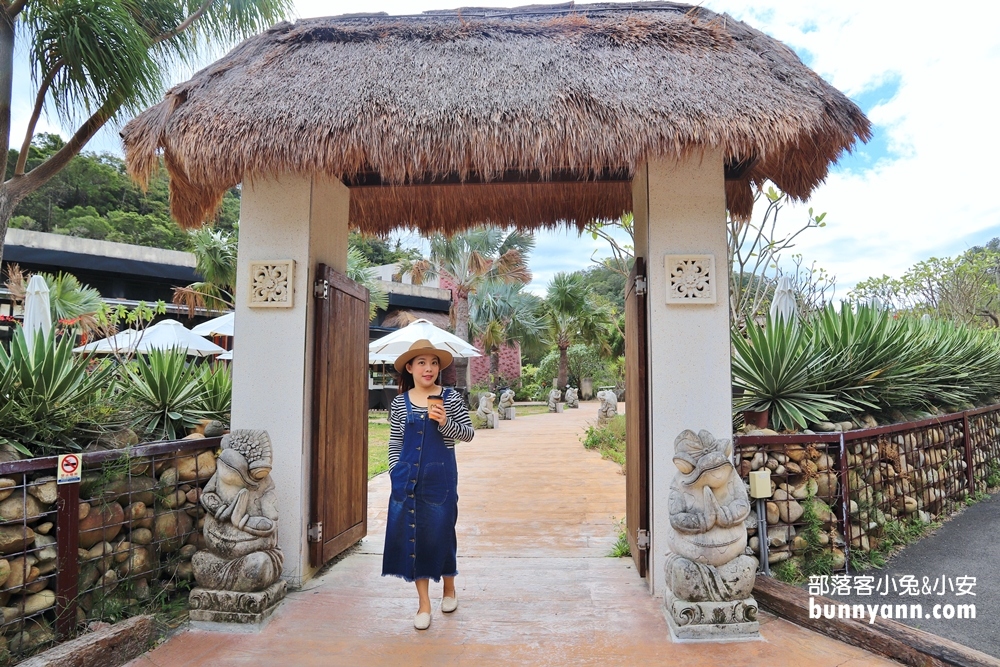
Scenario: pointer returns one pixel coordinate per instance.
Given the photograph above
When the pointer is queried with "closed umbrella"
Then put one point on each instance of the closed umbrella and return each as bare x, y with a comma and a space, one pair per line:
783, 304
388, 348
218, 326
37, 311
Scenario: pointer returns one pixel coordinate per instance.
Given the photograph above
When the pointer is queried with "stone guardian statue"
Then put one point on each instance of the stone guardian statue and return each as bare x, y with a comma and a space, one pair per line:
485, 411
572, 398
709, 579
554, 397
506, 406
609, 406
239, 574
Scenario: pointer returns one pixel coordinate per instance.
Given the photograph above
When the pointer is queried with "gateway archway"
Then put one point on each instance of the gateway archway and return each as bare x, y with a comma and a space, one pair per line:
528, 117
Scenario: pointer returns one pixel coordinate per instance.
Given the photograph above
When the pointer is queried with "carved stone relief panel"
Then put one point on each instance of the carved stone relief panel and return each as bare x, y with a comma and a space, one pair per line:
690, 279
271, 283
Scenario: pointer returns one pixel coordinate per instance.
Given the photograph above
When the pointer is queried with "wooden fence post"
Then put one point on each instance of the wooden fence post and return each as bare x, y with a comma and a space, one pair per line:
970, 463
67, 543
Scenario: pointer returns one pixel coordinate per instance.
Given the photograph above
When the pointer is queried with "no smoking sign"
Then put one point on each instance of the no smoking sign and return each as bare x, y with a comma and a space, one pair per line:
68, 470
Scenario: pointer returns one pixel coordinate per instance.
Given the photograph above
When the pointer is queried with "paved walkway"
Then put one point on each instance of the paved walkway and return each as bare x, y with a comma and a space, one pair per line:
536, 520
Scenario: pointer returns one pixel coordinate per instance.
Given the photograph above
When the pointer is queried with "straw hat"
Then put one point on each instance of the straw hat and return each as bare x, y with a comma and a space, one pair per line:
422, 346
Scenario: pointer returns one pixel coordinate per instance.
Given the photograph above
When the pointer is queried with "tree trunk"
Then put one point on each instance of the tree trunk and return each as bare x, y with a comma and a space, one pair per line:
563, 367
494, 365
462, 331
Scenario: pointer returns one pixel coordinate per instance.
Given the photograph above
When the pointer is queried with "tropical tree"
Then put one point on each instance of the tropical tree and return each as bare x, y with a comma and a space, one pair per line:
215, 261
101, 59
473, 258
573, 315
500, 313
360, 270
72, 304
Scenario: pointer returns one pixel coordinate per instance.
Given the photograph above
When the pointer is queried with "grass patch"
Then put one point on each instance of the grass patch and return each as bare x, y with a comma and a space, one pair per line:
528, 410
895, 536
621, 547
608, 439
378, 448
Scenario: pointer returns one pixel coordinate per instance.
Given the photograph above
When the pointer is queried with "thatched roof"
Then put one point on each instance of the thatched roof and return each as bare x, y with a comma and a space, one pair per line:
524, 116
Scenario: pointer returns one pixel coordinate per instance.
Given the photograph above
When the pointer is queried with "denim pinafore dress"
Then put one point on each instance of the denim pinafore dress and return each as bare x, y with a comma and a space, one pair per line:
423, 506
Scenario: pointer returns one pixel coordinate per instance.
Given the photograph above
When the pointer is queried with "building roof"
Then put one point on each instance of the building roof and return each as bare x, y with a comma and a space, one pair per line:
527, 116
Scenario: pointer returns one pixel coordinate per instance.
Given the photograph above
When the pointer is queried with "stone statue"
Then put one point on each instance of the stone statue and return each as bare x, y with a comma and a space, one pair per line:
506, 399
572, 399
709, 579
609, 406
485, 411
554, 396
239, 574
506, 407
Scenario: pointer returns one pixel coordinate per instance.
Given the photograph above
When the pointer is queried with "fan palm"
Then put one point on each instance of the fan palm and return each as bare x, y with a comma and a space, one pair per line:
472, 258
500, 313
360, 270
215, 261
72, 303
572, 315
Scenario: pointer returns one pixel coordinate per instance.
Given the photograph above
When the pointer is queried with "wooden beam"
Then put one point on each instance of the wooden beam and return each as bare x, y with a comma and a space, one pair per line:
909, 646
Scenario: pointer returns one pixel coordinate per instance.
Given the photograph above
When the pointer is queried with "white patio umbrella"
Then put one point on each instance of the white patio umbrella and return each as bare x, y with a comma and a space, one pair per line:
783, 304
218, 326
163, 335
226, 356
388, 348
37, 311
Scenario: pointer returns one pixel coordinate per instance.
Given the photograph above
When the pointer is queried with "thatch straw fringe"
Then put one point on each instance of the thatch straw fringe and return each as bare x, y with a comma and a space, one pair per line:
583, 89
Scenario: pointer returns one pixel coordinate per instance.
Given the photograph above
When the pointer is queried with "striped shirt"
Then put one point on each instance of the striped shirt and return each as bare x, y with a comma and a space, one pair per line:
457, 427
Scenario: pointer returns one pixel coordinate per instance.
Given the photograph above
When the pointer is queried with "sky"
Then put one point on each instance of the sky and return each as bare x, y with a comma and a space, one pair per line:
924, 186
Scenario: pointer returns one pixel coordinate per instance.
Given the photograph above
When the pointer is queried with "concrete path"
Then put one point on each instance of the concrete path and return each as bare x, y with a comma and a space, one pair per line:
536, 520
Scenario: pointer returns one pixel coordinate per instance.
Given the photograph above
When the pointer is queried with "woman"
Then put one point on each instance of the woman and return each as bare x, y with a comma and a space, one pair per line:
423, 507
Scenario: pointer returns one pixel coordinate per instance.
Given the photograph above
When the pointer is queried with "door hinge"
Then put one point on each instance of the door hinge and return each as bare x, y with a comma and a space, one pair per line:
321, 289
316, 532
642, 539
640, 285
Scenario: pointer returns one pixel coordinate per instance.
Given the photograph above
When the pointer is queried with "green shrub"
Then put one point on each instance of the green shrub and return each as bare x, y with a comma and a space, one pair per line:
608, 439
216, 382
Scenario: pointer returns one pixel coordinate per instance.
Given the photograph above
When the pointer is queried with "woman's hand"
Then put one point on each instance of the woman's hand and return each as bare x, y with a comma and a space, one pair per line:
437, 413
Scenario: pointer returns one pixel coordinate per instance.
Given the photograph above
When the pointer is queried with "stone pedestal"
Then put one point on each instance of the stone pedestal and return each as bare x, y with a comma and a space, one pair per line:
507, 413
216, 610
494, 420
559, 407
734, 620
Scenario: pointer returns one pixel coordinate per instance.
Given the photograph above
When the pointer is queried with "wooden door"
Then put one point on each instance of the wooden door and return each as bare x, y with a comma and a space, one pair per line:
637, 417
339, 498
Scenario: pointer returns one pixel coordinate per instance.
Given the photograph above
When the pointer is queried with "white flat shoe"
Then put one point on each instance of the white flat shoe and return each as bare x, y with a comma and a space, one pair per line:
422, 621
449, 605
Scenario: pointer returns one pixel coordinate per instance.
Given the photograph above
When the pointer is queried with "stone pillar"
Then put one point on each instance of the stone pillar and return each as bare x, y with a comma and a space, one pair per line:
304, 219
680, 209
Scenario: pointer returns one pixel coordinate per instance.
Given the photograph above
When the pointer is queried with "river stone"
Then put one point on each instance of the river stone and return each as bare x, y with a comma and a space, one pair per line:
772, 514
909, 504
194, 495
174, 500
138, 562
48, 544
109, 581
44, 489
14, 508
38, 585
122, 551
778, 556
142, 536
21, 572
4, 571
131, 489
789, 509
135, 512
15, 539
7, 486
200, 467
779, 536
102, 524
170, 529
168, 480
141, 589
822, 510
9, 453
44, 528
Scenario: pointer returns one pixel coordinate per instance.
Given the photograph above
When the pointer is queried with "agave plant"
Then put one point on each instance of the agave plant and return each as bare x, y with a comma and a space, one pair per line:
774, 369
168, 392
45, 392
216, 392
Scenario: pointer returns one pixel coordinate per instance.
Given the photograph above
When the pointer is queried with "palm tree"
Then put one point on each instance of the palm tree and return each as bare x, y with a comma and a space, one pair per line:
100, 59
215, 261
419, 270
572, 315
360, 270
472, 258
72, 303
503, 312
